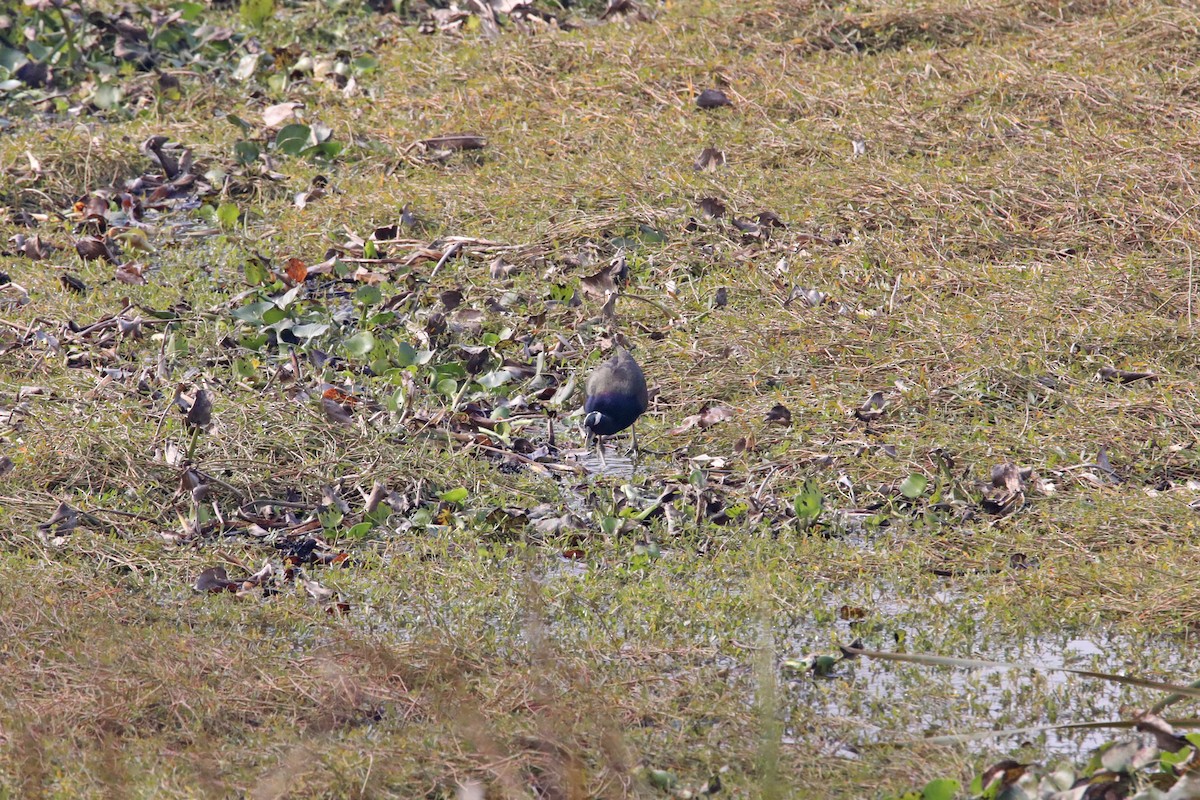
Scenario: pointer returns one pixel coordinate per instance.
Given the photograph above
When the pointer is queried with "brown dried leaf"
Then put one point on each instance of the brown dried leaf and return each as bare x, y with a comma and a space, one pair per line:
64, 520
708, 416
1124, 376
335, 412
214, 580
296, 270
72, 284
711, 207
712, 98
872, 409
131, 273
92, 248
200, 414
779, 415
455, 141
709, 160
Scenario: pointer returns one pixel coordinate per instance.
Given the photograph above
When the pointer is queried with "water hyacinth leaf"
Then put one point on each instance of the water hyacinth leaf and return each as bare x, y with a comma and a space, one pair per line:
941, 789
360, 531
256, 12
310, 330
455, 496
360, 344
227, 214
246, 153
108, 96
914, 486
368, 295
447, 387
292, 139
405, 355
809, 502
494, 380
364, 65
325, 150
252, 312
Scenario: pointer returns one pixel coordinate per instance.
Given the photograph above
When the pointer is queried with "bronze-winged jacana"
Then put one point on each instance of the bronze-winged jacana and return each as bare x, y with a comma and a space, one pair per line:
616, 397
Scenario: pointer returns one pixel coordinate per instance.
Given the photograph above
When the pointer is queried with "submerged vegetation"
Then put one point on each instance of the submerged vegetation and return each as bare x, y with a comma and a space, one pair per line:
298, 302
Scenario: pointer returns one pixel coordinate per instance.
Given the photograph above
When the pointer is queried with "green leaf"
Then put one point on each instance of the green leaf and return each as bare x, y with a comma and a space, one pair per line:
227, 215
325, 150
310, 330
273, 314
253, 312
330, 518
809, 502
257, 273
660, 779
234, 119
406, 354
941, 789
255, 12
455, 496
246, 152
360, 344
293, 138
914, 486
360, 531
243, 368
368, 295
189, 12
364, 65
448, 387
108, 96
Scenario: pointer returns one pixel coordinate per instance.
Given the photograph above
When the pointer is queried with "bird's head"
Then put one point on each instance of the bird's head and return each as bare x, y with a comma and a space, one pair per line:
592, 421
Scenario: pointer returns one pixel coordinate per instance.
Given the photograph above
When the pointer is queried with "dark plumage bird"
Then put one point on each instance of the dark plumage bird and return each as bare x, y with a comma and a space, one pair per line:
616, 396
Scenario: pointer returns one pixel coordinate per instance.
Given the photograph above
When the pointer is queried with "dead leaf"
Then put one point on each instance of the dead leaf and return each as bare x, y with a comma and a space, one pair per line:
6, 465
1005, 772
276, 115
872, 409
713, 98
33, 247
130, 273
336, 412
92, 248
1124, 376
64, 520
708, 416
296, 270
779, 415
769, 219
711, 207
214, 580
72, 284
1010, 477
199, 415
1164, 734
709, 160
500, 269
455, 141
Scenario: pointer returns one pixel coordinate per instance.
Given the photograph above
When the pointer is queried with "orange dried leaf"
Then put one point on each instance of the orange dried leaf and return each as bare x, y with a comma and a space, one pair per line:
296, 270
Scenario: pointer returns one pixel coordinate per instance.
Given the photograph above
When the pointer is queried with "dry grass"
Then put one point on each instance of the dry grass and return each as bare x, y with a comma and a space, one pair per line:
1024, 215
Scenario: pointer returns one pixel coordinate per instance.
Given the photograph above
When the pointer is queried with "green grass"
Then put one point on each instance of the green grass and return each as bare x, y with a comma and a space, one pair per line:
1023, 211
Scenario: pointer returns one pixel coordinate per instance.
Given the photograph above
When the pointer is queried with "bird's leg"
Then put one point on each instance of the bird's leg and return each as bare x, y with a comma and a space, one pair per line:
600, 451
